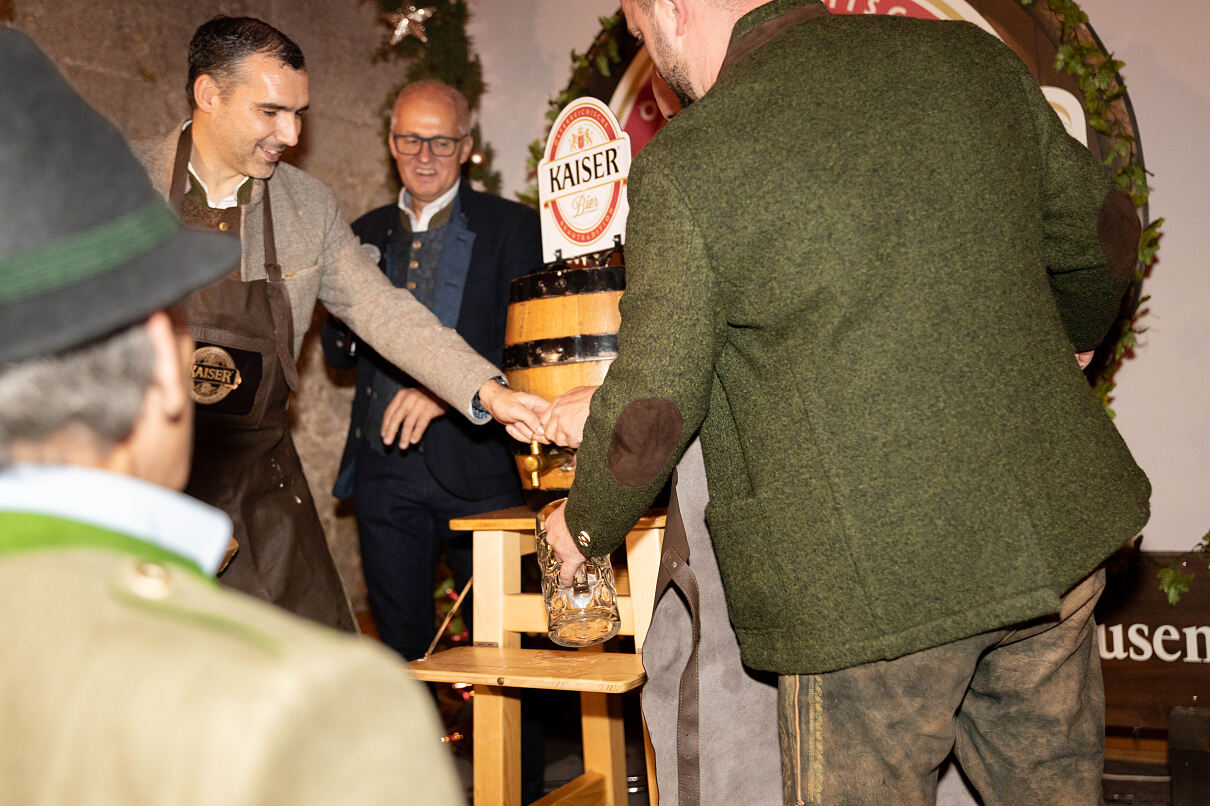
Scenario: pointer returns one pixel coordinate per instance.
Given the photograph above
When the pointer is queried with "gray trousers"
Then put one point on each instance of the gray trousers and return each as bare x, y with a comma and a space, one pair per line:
739, 758
1022, 708
739, 750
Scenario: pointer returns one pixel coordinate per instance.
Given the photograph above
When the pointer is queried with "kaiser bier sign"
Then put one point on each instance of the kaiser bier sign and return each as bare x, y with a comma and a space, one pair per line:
582, 181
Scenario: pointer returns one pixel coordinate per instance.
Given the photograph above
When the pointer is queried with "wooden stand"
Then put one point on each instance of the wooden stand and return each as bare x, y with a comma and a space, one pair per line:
497, 666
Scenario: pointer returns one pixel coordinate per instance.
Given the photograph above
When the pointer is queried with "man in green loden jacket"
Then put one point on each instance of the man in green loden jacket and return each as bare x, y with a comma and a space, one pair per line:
868, 305
128, 675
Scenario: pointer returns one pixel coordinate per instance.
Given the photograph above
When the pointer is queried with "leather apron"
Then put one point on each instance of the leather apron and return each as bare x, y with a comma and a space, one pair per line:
244, 461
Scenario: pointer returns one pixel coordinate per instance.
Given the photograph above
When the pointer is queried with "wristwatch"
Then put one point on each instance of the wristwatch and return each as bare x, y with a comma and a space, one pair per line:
477, 410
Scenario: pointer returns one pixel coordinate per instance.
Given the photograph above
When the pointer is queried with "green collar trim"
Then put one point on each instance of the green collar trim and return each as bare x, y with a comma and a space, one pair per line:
196, 193
762, 14
30, 531
85, 254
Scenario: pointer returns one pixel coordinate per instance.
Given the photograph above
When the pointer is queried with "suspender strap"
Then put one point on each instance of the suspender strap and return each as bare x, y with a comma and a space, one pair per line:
674, 570
180, 166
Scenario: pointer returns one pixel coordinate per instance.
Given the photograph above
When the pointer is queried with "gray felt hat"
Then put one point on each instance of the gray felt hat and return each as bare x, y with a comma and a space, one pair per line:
86, 244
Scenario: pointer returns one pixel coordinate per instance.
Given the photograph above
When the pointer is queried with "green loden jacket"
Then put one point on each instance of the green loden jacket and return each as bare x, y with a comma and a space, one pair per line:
861, 264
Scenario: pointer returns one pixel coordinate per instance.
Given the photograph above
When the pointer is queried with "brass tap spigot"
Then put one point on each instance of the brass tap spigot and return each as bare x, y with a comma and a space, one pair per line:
532, 463
543, 458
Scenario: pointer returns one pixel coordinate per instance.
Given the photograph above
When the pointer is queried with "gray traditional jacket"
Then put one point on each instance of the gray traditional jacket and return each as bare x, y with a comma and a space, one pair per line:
321, 259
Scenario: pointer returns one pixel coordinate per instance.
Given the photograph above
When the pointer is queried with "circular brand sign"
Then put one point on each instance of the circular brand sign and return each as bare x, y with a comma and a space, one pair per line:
214, 375
582, 180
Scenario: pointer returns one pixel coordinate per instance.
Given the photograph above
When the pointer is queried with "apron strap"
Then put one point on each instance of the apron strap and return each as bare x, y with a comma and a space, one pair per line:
675, 570
180, 166
279, 299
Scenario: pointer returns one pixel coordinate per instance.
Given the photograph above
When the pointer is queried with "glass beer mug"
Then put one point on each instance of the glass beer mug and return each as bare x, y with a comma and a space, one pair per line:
585, 613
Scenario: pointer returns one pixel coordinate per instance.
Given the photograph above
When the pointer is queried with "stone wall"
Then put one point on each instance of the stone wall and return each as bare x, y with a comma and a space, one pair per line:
128, 58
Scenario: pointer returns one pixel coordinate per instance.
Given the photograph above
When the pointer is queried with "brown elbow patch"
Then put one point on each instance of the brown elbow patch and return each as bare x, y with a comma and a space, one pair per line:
644, 439
1118, 229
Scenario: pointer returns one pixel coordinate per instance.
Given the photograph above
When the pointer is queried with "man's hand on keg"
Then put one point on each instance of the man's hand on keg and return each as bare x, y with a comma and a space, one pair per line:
563, 422
565, 549
519, 412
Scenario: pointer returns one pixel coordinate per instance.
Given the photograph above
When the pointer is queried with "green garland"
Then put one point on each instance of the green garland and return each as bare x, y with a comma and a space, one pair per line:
1173, 581
1098, 76
590, 73
447, 56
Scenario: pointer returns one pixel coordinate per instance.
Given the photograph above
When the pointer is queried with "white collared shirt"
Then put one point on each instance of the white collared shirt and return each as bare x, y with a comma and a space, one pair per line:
222, 204
421, 223
122, 504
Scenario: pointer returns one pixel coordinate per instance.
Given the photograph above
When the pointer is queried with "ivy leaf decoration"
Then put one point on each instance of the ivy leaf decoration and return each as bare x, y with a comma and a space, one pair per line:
1174, 583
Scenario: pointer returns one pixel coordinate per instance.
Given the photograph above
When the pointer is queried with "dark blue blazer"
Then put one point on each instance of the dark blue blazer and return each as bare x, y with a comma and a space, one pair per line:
488, 242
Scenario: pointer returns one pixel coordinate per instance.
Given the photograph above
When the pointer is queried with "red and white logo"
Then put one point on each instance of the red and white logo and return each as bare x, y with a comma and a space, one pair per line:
582, 181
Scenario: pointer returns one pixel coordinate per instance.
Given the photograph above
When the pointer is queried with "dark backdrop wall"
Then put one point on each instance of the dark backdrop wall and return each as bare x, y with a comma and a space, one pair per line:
127, 57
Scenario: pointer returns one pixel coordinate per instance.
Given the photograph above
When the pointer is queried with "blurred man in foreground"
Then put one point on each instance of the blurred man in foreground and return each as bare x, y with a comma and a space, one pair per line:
128, 676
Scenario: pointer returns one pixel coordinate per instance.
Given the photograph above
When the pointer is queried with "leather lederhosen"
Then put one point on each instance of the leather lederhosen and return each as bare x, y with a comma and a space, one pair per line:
244, 461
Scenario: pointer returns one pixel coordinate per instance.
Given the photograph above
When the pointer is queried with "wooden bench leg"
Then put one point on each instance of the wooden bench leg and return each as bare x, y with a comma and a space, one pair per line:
643, 566
653, 791
605, 742
497, 762
497, 576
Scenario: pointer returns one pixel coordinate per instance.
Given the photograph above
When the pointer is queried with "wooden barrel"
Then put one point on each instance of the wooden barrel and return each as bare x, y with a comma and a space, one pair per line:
562, 332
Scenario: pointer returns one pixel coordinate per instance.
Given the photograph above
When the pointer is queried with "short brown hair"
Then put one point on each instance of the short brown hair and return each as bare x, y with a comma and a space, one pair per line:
220, 45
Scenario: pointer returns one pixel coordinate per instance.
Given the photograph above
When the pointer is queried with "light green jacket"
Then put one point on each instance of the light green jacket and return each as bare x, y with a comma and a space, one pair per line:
129, 678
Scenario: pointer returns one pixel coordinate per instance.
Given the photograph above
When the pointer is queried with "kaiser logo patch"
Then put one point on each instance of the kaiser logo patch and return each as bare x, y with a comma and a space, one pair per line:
214, 375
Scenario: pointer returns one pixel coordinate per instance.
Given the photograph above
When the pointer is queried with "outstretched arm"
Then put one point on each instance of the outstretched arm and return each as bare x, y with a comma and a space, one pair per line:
657, 390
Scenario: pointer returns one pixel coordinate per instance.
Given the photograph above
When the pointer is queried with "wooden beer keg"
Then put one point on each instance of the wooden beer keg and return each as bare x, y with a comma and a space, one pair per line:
562, 332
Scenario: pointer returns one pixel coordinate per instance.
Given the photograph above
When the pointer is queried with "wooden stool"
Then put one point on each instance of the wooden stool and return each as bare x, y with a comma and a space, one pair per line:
497, 666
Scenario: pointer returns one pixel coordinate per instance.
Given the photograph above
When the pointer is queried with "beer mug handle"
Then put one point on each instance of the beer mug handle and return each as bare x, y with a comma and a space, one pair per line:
579, 583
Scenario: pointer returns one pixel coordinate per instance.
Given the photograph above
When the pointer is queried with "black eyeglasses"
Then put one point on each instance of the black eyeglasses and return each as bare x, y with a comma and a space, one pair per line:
409, 145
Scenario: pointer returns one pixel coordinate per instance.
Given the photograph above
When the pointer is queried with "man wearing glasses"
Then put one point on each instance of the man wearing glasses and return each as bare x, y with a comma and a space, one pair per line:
409, 464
